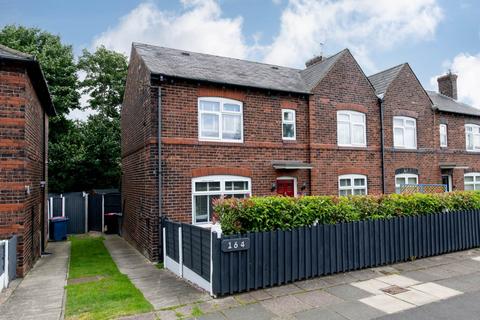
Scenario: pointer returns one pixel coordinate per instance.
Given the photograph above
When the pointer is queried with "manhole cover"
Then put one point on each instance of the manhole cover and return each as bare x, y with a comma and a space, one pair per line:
394, 290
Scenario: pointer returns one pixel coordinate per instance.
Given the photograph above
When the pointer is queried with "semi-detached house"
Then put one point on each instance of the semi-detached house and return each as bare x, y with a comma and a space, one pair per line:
236, 128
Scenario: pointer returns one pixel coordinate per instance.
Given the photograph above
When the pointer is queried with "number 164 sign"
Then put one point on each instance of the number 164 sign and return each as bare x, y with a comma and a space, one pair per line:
230, 245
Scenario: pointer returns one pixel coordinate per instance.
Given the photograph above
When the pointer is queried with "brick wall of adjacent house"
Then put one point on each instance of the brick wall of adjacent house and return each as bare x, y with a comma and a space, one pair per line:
345, 87
22, 125
139, 160
406, 97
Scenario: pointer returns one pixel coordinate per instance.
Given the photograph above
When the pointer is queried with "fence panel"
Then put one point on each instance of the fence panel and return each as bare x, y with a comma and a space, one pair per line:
12, 258
196, 249
95, 212
57, 210
75, 212
2, 259
279, 257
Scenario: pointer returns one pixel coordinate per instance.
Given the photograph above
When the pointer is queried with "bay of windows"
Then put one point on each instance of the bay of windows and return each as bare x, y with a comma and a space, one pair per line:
220, 119
352, 184
404, 133
472, 181
205, 190
472, 137
351, 129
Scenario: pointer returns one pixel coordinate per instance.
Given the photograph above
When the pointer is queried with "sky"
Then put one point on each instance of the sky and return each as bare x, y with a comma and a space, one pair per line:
433, 36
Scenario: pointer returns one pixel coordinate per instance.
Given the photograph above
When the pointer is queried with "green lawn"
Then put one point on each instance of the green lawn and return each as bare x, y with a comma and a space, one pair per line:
108, 298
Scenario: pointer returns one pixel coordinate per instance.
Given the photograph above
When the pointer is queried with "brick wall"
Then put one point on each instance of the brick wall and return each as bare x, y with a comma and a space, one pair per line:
345, 87
139, 160
21, 163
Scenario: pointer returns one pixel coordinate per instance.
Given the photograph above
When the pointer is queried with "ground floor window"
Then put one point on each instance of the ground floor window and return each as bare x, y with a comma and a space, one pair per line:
206, 189
403, 179
352, 184
472, 181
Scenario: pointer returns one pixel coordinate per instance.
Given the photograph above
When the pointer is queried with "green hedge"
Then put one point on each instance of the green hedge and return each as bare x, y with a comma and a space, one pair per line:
272, 213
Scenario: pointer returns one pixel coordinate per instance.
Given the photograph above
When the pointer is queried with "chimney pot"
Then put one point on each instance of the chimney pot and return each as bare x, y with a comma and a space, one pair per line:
447, 85
313, 61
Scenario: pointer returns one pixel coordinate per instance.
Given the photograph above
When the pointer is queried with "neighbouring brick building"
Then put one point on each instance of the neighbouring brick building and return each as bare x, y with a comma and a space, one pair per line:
235, 128
25, 106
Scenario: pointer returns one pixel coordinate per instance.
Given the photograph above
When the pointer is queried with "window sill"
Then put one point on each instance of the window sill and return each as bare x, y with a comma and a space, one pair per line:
220, 141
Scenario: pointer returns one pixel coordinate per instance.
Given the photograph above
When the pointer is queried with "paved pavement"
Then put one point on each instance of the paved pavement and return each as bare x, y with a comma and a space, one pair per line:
160, 287
442, 287
40, 295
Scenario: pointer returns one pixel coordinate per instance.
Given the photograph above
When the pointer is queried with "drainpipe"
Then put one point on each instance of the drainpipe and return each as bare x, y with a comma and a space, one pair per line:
43, 184
159, 171
381, 100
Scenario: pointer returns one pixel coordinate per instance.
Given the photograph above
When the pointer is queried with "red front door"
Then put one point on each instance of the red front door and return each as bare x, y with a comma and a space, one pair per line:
286, 187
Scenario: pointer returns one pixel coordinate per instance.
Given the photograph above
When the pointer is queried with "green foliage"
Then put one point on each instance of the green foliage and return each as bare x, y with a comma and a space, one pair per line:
105, 76
56, 59
272, 213
110, 297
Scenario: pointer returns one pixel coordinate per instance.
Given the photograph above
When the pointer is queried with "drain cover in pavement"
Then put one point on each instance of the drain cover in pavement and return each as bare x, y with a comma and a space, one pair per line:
393, 290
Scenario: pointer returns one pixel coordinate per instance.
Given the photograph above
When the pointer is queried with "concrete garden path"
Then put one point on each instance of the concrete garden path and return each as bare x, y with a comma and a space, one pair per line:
40, 295
160, 287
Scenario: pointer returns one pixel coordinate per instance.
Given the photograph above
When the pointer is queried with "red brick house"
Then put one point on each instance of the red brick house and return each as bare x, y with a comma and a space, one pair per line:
236, 128
25, 106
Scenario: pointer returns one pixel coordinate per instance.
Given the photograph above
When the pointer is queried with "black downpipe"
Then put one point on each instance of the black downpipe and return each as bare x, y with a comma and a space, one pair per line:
384, 188
159, 172
43, 184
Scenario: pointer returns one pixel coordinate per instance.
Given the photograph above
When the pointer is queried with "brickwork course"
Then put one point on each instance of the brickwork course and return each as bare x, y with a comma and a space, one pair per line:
165, 84
25, 106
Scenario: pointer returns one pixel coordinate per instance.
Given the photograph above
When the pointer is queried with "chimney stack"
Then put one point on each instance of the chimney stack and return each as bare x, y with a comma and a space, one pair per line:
447, 85
313, 61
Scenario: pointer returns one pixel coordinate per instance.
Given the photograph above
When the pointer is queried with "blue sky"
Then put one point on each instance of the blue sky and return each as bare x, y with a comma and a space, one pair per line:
432, 35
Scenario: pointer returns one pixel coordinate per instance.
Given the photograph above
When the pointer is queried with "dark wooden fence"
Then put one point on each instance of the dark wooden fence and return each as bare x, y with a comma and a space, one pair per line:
196, 249
278, 257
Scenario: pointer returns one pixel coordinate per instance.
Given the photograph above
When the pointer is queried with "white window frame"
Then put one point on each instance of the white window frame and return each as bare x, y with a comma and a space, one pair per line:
220, 114
445, 133
406, 176
473, 127
475, 184
289, 122
352, 186
396, 144
351, 124
222, 192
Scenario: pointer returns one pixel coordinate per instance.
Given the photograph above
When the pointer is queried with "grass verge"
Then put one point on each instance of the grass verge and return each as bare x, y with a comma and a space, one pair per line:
109, 295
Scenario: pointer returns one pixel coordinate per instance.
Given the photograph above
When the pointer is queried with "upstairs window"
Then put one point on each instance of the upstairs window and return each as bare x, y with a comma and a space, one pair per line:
288, 124
220, 119
206, 189
352, 184
403, 179
351, 129
404, 133
472, 181
472, 137
443, 135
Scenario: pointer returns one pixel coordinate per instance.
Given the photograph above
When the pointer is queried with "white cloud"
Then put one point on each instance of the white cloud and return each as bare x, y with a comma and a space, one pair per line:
364, 26
361, 25
198, 27
467, 67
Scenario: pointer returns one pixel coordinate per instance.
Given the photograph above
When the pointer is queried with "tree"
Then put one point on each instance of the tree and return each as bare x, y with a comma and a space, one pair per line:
105, 74
56, 59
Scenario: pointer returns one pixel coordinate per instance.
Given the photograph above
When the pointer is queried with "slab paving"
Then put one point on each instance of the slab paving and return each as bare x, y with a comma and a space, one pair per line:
40, 294
159, 286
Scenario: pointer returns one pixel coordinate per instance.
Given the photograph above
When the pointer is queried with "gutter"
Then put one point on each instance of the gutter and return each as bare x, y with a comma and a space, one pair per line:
381, 100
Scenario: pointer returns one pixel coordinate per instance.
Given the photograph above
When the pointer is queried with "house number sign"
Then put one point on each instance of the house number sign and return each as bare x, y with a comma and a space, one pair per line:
230, 245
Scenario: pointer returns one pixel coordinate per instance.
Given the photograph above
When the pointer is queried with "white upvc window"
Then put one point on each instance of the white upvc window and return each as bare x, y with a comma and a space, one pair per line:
289, 130
443, 136
220, 119
404, 133
351, 128
472, 181
403, 179
352, 184
205, 190
472, 137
